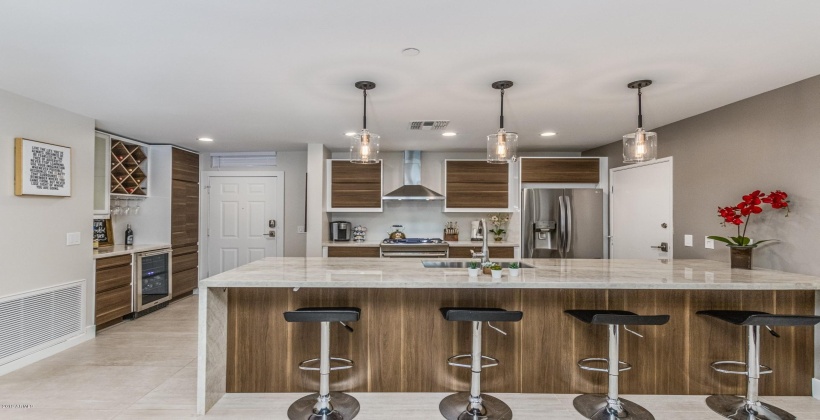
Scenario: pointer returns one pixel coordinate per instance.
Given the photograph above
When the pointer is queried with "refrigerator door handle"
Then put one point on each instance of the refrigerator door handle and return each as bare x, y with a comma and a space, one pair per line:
568, 210
561, 226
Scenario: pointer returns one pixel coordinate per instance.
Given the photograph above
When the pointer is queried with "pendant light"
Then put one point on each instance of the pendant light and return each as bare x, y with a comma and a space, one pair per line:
640, 146
502, 146
364, 145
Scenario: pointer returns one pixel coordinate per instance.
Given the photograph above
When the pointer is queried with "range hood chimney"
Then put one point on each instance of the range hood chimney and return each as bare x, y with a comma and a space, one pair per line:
412, 189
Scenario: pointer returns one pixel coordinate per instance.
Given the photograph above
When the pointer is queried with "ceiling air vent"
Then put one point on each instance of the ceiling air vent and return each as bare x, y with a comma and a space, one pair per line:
429, 125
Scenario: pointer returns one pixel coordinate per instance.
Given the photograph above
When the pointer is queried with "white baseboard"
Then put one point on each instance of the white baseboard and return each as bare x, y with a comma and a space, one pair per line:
815, 388
90, 332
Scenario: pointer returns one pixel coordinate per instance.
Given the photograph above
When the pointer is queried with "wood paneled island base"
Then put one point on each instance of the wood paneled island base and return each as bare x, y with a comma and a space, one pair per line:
402, 342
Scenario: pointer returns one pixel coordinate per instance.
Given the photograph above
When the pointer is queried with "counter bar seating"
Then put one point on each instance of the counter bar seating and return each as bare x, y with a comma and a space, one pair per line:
474, 405
749, 408
319, 406
610, 406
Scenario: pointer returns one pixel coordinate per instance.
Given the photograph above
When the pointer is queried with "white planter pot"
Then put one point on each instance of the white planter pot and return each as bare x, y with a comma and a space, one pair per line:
514, 272
473, 272
496, 274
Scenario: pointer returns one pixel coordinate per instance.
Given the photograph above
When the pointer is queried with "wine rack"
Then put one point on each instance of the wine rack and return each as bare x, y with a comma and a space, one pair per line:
128, 163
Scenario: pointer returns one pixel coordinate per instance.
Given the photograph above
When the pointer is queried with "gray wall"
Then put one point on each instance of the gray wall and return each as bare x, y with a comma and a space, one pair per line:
770, 141
294, 164
33, 253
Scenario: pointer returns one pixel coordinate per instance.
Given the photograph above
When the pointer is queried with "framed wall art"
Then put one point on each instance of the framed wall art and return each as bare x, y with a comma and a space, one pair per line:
41, 168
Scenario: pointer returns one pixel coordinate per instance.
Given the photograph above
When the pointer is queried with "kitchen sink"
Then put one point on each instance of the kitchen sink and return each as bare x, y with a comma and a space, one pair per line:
463, 264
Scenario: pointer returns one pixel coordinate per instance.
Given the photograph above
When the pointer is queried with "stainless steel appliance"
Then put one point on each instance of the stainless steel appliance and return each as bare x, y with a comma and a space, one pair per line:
562, 223
341, 231
153, 279
415, 248
476, 231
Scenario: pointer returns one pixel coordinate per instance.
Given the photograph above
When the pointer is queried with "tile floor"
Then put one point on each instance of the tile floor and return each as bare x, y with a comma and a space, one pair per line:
146, 369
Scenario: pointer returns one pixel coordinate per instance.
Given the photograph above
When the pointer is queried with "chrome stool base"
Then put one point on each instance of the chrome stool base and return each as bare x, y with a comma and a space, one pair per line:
739, 408
596, 407
454, 407
345, 407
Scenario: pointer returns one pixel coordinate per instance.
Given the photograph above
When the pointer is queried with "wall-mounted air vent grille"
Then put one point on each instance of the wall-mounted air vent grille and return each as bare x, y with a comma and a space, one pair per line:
429, 125
32, 321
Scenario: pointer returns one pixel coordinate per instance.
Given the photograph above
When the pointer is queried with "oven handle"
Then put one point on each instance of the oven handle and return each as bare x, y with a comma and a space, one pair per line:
388, 254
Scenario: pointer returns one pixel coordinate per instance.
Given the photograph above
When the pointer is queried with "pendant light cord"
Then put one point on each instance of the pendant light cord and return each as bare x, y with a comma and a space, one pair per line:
640, 113
364, 114
501, 119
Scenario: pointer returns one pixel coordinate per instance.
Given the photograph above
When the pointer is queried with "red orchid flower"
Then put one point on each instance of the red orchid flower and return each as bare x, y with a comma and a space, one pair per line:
751, 204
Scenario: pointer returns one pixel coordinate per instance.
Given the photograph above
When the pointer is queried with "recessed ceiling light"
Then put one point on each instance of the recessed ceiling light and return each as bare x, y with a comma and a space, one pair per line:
449, 134
350, 134
548, 134
410, 52
205, 139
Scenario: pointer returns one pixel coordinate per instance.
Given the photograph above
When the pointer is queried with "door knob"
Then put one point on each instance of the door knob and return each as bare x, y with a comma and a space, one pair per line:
664, 247
272, 233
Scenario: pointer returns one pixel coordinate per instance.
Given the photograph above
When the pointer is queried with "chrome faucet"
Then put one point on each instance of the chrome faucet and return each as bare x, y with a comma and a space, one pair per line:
485, 249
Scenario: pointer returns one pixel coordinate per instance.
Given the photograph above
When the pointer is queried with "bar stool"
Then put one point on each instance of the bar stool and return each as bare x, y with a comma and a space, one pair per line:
318, 406
610, 406
474, 405
750, 407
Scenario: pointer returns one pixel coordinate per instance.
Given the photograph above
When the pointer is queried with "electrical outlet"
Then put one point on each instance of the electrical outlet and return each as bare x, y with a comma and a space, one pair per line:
300, 229
709, 244
72, 238
687, 240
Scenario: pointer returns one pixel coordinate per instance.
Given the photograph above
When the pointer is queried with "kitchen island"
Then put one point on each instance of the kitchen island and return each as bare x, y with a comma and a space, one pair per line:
401, 342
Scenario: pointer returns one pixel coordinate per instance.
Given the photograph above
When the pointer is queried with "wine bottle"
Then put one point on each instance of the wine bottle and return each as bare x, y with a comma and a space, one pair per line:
129, 235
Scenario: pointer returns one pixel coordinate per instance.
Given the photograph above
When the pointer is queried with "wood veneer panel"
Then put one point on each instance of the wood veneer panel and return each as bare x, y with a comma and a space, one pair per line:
547, 346
355, 185
588, 341
112, 304
430, 341
711, 340
184, 213
103, 263
560, 170
184, 261
385, 324
495, 251
184, 165
184, 281
477, 184
353, 251
112, 278
792, 364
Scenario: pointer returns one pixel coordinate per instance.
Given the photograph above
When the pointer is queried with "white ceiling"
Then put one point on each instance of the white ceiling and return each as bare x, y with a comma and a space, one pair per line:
275, 75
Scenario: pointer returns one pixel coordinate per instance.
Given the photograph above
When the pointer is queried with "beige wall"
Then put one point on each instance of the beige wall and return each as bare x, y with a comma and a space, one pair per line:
770, 141
33, 253
294, 164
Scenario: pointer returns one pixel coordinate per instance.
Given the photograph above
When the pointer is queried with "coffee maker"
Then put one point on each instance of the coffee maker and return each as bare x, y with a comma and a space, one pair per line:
340, 231
476, 232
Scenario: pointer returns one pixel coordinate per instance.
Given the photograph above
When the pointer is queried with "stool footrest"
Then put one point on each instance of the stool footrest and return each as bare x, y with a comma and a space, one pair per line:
764, 370
345, 364
452, 361
584, 364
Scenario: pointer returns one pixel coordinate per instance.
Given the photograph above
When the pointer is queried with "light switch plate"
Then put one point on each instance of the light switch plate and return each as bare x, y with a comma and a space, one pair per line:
709, 244
72, 238
687, 240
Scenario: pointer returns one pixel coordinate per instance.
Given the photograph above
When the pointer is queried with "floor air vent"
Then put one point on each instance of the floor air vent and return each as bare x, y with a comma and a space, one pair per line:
429, 125
33, 321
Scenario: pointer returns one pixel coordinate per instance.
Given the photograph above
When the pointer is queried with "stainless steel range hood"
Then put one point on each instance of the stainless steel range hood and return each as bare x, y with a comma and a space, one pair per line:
412, 189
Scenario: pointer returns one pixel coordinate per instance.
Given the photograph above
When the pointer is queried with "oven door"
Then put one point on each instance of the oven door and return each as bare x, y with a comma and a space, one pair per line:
153, 285
415, 251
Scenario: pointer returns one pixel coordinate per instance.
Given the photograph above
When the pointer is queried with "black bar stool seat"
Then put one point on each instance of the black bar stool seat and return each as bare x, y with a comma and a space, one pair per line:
611, 406
474, 405
318, 406
750, 407
323, 314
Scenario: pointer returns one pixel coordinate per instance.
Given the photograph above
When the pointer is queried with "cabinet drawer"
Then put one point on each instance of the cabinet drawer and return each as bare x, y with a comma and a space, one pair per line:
103, 263
184, 262
353, 251
183, 282
113, 278
112, 304
495, 251
182, 250
560, 170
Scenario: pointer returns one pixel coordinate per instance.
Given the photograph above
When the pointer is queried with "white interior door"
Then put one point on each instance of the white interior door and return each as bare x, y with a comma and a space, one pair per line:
641, 210
244, 215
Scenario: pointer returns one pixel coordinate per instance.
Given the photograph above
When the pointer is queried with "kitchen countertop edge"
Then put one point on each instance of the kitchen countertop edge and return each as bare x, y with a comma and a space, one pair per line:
458, 243
116, 250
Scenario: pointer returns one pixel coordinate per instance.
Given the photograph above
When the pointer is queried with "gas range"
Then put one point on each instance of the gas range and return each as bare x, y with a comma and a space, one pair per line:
415, 247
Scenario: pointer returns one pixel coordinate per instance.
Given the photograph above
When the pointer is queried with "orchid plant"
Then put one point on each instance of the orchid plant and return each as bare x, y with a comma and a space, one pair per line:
498, 221
751, 204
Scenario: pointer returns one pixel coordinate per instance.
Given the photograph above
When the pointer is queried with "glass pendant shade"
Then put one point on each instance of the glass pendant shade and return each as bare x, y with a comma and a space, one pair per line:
640, 146
502, 147
364, 147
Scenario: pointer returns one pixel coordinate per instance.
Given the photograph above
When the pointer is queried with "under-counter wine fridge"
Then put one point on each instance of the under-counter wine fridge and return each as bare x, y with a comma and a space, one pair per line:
153, 275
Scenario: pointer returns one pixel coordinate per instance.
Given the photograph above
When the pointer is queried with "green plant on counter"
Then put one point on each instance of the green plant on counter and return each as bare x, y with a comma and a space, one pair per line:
487, 264
473, 265
495, 267
514, 265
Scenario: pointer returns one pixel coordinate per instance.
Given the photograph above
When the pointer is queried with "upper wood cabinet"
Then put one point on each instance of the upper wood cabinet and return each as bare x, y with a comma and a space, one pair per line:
560, 170
184, 221
475, 185
354, 187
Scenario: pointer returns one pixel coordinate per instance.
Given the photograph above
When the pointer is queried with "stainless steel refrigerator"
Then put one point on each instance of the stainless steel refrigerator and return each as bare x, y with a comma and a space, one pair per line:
562, 223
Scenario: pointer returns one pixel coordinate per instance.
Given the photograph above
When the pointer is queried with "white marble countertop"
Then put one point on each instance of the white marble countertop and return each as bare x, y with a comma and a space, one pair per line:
370, 243
115, 250
547, 274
